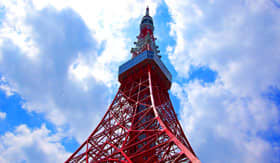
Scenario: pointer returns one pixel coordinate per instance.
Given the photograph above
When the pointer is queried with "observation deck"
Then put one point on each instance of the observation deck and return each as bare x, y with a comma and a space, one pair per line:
140, 61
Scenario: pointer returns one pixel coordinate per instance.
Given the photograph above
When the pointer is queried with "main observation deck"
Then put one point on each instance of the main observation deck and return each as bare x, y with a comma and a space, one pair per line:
140, 61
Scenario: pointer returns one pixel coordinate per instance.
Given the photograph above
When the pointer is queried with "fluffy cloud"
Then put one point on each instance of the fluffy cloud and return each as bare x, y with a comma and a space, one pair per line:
4, 86
222, 124
2, 115
230, 118
25, 145
108, 21
236, 43
60, 55
44, 79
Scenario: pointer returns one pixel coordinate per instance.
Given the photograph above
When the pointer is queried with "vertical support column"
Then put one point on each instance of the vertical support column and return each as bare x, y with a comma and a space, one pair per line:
151, 90
172, 137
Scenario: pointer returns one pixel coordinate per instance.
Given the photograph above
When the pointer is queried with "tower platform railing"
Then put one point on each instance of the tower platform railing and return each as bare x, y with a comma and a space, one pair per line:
141, 58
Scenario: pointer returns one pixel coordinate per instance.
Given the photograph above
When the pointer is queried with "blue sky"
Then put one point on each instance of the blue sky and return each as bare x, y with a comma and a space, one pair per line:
59, 64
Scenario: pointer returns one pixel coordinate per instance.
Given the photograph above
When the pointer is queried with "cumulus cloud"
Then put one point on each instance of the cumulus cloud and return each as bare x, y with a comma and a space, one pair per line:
214, 118
25, 145
44, 79
60, 55
2, 115
108, 21
230, 118
235, 43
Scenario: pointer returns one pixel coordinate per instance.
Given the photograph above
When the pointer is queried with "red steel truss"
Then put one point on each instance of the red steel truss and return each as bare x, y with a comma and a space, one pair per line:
140, 124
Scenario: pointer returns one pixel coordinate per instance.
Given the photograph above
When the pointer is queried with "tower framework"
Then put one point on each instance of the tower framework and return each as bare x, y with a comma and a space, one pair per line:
140, 124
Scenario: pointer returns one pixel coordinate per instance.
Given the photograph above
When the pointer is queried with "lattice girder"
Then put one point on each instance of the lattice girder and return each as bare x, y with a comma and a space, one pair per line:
139, 126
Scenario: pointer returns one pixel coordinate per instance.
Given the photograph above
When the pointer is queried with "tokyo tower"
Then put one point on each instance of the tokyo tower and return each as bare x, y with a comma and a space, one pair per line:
140, 124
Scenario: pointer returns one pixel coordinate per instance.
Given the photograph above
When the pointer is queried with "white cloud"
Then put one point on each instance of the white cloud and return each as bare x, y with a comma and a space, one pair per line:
235, 43
218, 122
2, 115
107, 21
7, 89
13, 26
4, 86
59, 55
240, 41
26, 145
44, 80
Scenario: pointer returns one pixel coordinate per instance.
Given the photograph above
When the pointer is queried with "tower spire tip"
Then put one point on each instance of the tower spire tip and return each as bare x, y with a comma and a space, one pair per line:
147, 11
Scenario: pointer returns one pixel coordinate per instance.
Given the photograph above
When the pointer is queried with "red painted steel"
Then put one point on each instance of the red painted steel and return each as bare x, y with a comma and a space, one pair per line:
139, 126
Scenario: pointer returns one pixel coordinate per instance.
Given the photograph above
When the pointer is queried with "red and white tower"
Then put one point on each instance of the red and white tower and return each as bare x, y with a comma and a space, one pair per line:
140, 124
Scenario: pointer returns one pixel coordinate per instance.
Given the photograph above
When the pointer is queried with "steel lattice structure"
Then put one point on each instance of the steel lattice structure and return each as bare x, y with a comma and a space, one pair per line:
140, 124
